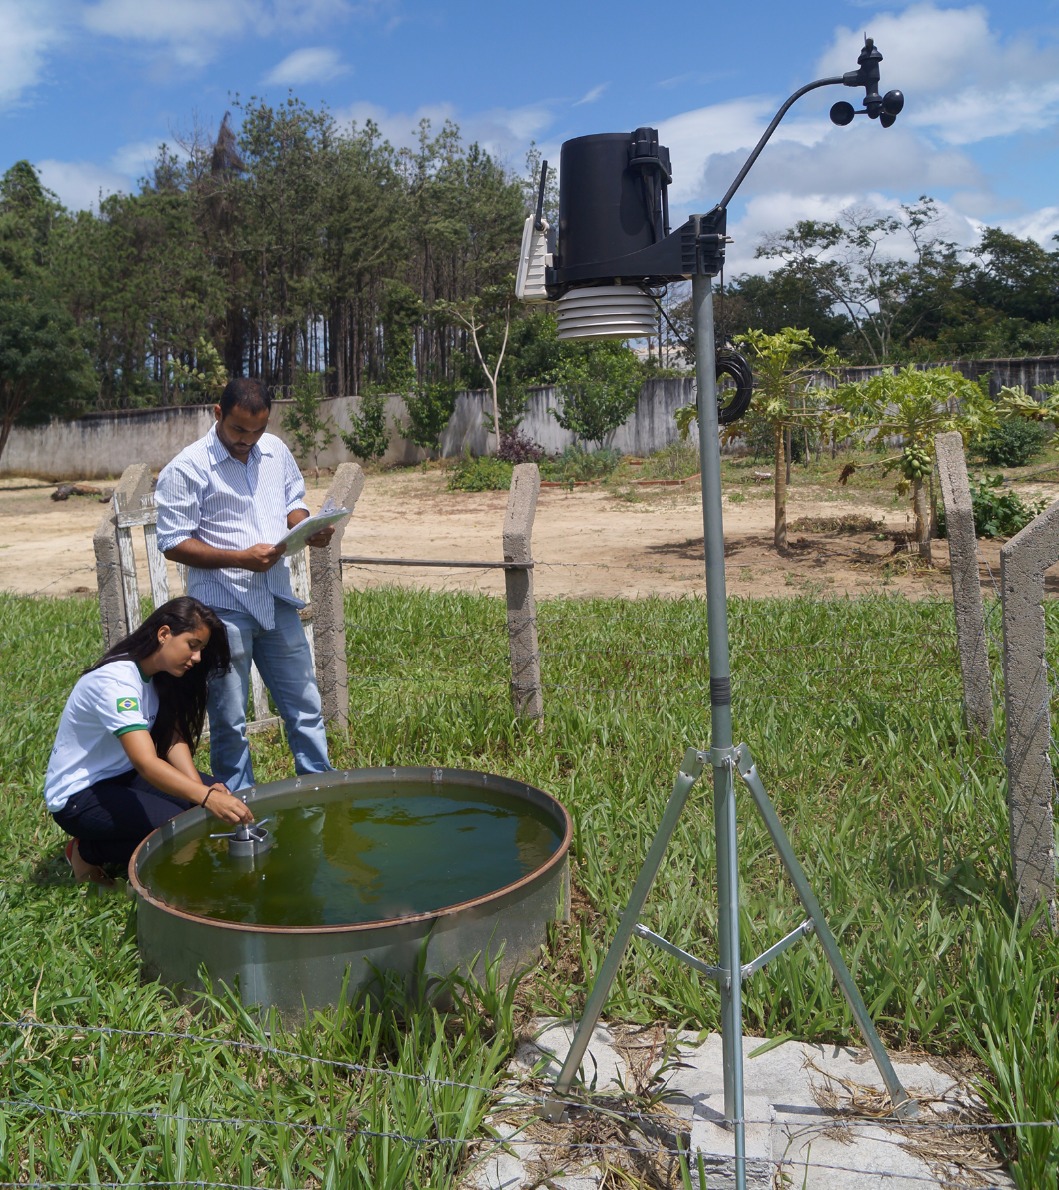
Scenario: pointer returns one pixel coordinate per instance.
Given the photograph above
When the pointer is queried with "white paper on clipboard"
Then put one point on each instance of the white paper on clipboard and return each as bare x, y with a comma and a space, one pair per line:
297, 537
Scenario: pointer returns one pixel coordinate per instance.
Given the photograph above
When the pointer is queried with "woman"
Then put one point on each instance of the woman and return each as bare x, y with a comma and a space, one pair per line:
122, 761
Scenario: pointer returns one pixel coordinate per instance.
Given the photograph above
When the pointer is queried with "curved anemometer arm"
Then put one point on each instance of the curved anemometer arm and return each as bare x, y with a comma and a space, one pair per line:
883, 108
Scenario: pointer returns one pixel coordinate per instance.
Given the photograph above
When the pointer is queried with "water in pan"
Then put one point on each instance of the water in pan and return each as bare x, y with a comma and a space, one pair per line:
343, 856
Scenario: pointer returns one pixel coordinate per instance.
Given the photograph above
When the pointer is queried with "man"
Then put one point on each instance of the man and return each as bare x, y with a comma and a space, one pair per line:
223, 505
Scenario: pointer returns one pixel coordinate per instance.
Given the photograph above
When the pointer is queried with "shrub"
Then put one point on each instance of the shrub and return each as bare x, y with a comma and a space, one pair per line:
678, 460
309, 429
483, 474
996, 513
599, 385
516, 447
430, 409
577, 464
1013, 443
368, 437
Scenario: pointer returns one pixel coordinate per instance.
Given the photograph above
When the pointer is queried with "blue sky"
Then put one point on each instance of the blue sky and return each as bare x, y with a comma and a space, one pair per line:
89, 90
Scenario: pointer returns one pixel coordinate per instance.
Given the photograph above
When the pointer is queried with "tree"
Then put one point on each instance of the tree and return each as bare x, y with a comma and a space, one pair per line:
44, 369
430, 407
784, 367
368, 437
285, 150
370, 310
476, 315
532, 358
599, 385
1016, 277
204, 377
785, 396
914, 405
1014, 401
302, 419
779, 300
867, 265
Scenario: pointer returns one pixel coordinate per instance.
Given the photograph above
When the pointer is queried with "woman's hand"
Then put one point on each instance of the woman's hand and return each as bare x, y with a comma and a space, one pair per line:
225, 805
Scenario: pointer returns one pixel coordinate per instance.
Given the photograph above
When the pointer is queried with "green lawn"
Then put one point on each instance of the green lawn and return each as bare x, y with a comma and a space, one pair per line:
852, 711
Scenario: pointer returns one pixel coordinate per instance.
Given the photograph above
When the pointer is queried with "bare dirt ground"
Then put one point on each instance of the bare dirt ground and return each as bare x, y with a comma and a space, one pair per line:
587, 542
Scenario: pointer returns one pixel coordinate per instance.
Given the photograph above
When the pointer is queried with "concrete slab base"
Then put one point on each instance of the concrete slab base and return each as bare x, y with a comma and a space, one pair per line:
651, 1105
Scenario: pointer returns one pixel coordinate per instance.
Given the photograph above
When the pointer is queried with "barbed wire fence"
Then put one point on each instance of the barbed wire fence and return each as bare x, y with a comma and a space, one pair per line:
653, 1132
527, 1094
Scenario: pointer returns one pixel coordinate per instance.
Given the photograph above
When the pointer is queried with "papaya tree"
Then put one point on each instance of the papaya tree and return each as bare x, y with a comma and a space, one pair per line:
911, 406
1014, 401
786, 366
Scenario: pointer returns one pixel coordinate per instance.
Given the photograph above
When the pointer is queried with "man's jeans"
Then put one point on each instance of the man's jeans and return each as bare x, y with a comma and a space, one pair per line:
282, 655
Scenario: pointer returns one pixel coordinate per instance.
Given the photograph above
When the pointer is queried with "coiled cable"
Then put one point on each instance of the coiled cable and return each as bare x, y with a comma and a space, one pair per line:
733, 400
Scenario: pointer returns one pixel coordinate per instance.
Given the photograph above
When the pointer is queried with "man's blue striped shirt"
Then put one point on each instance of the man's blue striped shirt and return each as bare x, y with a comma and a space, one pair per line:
207, 494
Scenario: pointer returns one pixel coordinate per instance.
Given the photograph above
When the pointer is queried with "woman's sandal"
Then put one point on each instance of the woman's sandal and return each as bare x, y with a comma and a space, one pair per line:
84, 871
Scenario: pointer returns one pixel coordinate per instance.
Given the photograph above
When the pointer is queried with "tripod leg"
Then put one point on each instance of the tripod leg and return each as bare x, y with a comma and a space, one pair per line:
903, 1105
690, 770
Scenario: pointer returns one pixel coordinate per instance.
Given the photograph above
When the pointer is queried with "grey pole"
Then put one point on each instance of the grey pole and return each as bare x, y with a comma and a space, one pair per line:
722, 755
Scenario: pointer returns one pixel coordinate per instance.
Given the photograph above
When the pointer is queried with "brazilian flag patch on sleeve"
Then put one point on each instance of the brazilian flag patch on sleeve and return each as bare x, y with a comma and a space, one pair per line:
128, 704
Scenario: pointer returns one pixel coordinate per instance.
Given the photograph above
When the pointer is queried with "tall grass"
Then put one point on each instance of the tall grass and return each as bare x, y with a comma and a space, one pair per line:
852, 711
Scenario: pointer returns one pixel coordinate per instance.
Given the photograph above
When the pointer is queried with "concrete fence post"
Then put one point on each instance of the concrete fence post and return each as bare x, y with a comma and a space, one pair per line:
329, 619
526, 693
966, 586
1027, 693
135, 483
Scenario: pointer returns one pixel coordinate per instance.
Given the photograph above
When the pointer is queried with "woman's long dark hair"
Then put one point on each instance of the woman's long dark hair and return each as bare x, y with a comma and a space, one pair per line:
181, 701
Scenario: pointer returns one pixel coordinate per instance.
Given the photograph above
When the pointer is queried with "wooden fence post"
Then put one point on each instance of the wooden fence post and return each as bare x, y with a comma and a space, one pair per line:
1027, 697
966, 586
111, 567
521, 606
329, 618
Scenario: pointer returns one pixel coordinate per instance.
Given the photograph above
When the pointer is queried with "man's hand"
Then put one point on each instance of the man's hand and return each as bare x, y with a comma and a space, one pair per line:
260, 557
321, 537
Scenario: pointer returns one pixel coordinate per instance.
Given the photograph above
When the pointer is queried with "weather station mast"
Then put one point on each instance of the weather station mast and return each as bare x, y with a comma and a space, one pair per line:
603, 266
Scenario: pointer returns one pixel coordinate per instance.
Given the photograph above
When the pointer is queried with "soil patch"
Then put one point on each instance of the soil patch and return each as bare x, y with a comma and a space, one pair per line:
587, 541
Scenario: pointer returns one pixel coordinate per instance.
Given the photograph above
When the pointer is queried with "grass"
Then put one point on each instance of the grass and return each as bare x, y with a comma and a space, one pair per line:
852, 711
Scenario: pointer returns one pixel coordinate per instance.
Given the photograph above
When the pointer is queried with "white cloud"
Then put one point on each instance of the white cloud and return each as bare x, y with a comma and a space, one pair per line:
847, 161
313, 64
503, 132
26, 35
962, 79
1042, 226
401, 129
971, 116
193, 31
694, 137
593, 95
79, 183
137, 160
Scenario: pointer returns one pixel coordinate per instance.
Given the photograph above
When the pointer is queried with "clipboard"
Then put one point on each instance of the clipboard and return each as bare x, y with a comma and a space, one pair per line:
296, 538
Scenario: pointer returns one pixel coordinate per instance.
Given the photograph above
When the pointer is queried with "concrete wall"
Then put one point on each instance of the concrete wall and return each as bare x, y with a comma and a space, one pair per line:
104, 444
1028, 372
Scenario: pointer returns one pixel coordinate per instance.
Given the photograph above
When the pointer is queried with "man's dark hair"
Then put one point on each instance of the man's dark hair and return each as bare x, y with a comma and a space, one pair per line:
244, 393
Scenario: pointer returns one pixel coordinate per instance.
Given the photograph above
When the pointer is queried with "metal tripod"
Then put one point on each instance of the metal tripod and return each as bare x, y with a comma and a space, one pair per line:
726, 761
